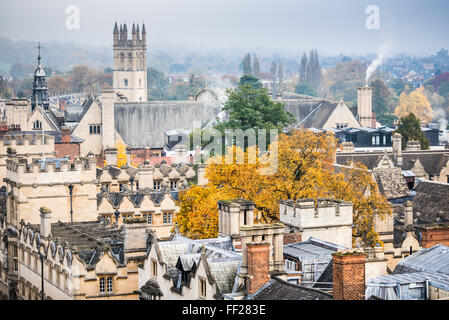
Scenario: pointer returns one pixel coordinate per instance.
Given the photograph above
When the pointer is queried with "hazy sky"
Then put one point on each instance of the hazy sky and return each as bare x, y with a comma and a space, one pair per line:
331, 26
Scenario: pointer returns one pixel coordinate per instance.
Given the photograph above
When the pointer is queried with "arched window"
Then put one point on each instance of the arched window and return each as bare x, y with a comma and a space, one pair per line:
140, 83
126, 82
122, 58
130, 61
37, 125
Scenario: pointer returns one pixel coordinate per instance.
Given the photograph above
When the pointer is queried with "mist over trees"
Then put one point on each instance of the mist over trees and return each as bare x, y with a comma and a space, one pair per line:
310, 74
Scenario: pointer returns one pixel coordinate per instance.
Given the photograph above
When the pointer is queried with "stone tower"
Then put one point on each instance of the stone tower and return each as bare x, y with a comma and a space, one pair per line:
130, 63
365, 106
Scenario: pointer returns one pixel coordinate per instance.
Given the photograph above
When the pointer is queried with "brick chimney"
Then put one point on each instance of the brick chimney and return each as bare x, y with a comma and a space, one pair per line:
45, 227
349, 275
292, 238
258, 266
434, 235
62, 105
66, 134
147, 153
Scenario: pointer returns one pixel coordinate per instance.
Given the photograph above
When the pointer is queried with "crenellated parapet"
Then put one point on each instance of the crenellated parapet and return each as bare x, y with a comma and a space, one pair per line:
327, 219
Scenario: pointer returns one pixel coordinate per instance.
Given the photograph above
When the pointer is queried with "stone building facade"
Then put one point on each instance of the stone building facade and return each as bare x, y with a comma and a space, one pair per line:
81, 261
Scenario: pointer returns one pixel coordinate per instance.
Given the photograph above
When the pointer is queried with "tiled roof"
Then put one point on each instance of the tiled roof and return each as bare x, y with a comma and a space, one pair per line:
431, 200
277, 289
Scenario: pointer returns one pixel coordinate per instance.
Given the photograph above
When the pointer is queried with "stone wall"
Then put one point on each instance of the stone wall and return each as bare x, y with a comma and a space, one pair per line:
143, 124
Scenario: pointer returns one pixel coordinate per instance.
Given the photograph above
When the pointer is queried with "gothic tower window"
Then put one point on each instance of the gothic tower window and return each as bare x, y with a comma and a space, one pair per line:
130, 61
122, 59
37, 125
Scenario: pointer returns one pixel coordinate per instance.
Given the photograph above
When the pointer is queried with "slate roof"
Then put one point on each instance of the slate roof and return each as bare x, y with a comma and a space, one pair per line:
319, 116
88, 238
311, 249
433, 260
277, 289
136, 197
184, 254
433, 161
152, 288
56, 134
391, 183
431, 200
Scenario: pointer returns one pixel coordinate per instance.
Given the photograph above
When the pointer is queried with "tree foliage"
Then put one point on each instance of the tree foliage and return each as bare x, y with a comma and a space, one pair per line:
250, 106
246, 65
414, 102
305, 170
382, 103
410, 129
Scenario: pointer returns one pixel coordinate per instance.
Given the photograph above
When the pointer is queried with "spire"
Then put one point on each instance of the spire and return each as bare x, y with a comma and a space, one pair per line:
125, 32
134, 28
116, 28
39, 96
138, 32
39, 53
143, 29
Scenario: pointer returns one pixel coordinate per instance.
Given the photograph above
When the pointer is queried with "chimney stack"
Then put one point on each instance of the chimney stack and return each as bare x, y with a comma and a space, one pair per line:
111, 156
66, 134
145, 173
348, 147
408, 213
365, 106
397, 147
413, 145
62, 105
135, 236
349, 275
45, 227
433, 235
258, 266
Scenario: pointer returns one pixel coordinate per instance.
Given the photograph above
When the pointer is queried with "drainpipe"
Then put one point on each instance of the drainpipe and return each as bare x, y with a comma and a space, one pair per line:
71, 203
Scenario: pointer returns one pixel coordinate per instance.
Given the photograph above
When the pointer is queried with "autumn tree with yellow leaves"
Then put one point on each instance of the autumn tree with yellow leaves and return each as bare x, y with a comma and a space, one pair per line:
122, 159
414, 102
305, 169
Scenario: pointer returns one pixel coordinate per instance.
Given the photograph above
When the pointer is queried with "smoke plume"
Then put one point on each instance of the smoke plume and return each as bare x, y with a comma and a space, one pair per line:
382, 53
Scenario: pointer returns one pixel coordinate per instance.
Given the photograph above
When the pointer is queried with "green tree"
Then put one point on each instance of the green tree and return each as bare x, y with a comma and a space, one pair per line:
382, 103
246, 64
251, 107
157, 85
305, 88
256, 67
410, 129
303, 68
251, 80
443, 89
